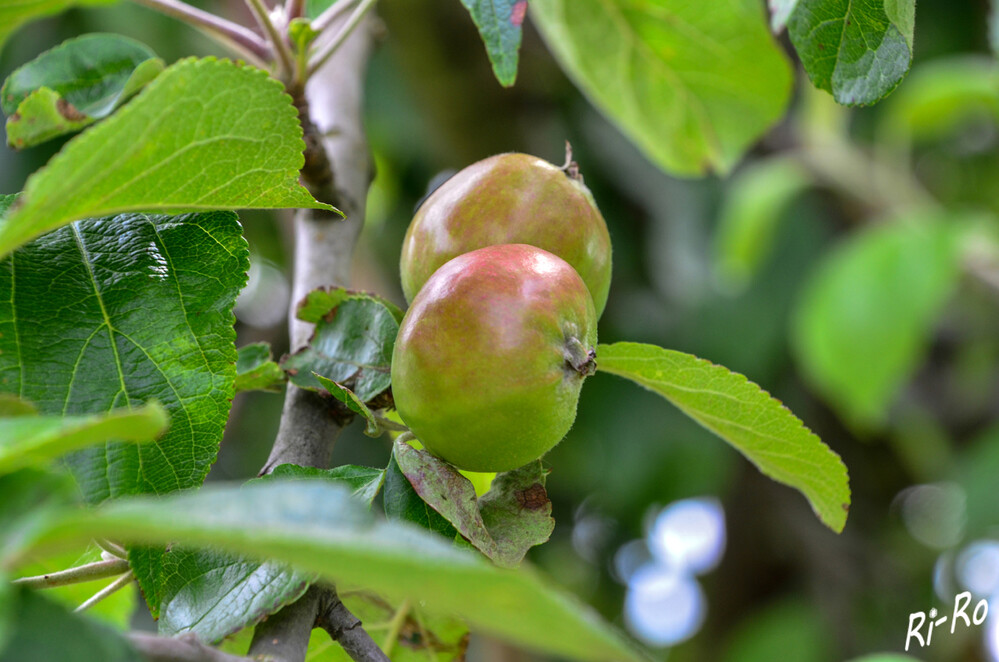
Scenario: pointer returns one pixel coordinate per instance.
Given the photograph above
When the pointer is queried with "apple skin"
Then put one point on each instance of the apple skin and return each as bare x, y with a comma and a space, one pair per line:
491, 356
509, 199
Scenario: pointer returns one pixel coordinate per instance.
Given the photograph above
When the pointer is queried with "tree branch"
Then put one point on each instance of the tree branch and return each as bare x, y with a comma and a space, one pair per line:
345, 628
235, 36
185, 648
324, 247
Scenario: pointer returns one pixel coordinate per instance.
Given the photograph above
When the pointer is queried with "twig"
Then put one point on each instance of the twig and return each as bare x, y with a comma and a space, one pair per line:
294, 9
276, 39
341, 36
108, 590
243, 40
345, 628
331, 15
185, 648
84, 573
112, 548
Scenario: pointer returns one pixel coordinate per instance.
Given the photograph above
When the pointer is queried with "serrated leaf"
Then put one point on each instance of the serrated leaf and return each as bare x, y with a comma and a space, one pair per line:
256, 370
864, 317
516, 513
365, 482
45, 630
693, 89
30, 440
320, 527
117, 311
744, 415
74, 84
321, 301
750, 215
14, 14
214, 595
352, 346
499, 24
353, 403
857, 51
206, 134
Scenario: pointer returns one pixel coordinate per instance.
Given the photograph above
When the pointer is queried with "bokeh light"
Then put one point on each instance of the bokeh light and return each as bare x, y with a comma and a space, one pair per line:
690, 535
664, 605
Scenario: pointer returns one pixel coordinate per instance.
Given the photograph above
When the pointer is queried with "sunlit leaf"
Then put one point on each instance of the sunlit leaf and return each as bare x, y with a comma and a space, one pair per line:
320, 527
206, 134
692, 85
744, 415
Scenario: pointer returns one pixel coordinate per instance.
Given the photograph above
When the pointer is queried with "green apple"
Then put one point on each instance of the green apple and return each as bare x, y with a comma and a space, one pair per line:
491, 356
510, 199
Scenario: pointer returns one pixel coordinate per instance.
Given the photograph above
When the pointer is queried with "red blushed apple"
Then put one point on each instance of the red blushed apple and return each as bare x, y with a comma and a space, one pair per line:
492, 354
510, 199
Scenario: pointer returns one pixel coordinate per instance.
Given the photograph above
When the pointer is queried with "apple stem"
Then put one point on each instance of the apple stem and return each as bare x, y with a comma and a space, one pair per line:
571, 168
579, 358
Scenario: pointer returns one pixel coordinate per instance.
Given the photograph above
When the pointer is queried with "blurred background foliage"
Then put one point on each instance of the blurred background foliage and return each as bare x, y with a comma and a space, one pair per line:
848, 266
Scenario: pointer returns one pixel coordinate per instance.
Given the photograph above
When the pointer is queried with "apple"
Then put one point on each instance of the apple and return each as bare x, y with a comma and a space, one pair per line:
491, 356
510, 199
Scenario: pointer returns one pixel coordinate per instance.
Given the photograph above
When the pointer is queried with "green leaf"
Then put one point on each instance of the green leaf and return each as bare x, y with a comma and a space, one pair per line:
865, 316
256, 371
744, 415
44, 630
32, 498
858, 51
517, 511
214, 594
364, 482
352, 346
8, 604
499, 24
693, 89
113, 312
29, 440
402, 503
74, 84
206, 134
15, 14
750, 214
11, 406
517, 507
116, 610
320, 527
322, 301
372, 427
940, 96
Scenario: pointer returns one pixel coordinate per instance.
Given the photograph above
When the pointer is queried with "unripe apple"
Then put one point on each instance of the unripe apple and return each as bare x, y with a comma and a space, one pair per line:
510, 199
491, 355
